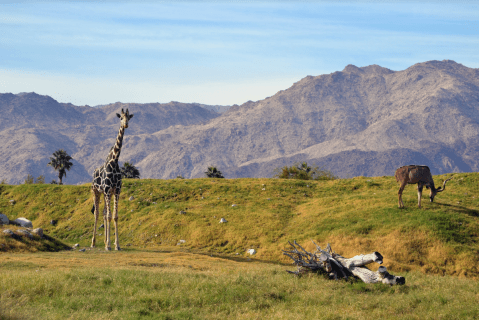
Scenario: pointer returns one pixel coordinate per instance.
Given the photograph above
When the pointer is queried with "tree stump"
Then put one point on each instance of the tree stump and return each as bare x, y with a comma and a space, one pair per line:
338, 267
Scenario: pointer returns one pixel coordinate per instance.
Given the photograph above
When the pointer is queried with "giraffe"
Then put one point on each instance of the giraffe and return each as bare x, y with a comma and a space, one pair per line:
107, 180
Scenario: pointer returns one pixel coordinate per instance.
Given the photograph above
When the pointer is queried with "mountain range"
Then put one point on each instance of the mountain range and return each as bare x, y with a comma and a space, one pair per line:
359, 121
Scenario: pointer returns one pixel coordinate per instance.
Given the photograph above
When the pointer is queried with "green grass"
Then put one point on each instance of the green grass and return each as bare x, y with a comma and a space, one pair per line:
238, 290
356, 215
211, 276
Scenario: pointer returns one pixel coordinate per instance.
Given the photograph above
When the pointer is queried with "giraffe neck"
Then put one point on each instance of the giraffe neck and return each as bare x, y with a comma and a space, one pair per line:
115, 151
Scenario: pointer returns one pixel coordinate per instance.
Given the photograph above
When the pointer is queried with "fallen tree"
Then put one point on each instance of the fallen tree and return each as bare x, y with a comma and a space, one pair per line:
337, 267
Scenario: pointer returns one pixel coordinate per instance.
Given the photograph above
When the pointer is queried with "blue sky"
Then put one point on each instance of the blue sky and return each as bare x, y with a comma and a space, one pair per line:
217, 52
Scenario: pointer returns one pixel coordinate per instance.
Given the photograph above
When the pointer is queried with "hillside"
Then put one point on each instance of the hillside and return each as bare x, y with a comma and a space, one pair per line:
358, 215
35, 126
361, 121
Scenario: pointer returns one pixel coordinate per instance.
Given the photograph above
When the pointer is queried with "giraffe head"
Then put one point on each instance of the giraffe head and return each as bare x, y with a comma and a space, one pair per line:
124, 117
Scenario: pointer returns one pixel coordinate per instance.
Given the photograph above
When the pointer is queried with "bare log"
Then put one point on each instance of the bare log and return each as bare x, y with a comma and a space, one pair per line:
336, 266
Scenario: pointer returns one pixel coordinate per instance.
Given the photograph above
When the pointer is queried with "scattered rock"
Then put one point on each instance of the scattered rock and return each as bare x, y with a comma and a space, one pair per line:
25, 233
101, 226
131, 210
53, 222
38, 232
263, 189
8, 232
223, 220
131, 198
12, 202
4, 219
76, 245
234, 205
82, 250
23, 222
182, 212
251, 251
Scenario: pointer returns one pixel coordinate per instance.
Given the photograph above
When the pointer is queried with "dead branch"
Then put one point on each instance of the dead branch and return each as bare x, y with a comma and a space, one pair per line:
337, 267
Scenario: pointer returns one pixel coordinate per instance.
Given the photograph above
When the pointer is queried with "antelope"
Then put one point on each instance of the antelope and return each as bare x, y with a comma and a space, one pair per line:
421, 175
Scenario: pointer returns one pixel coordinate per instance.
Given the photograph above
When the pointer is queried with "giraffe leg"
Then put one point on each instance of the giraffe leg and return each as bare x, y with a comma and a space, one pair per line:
104, 223
108, 220
96, 196
115, 221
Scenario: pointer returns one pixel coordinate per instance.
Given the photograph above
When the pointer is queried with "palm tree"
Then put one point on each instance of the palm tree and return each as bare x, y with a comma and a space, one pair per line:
213, 173
60, 162
129, 171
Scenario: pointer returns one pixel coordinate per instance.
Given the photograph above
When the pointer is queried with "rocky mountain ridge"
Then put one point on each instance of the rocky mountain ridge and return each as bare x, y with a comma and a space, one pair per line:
358, 121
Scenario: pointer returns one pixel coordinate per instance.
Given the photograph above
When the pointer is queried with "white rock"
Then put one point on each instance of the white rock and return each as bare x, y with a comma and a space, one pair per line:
234, 205
38, 232
182, 212
25, 232
24, 222
4, 219
8, 232
251, 251
132, 198
12, 202
76, 245
223, 220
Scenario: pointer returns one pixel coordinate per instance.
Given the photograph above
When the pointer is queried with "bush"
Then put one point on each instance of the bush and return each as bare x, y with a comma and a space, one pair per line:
302, 171
129, 171
213, 173
29, 179
40, 180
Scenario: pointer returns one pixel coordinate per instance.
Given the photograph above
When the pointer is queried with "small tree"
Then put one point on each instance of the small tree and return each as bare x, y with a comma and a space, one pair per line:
303, 172
60, 162
40, 179
213, 173
129, 171
29, 179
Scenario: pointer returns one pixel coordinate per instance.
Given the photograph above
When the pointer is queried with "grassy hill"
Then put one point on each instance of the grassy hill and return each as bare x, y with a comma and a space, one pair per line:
355, 216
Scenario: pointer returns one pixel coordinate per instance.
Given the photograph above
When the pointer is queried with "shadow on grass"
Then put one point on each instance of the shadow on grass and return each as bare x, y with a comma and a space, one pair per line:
45, 243
459, 209
217, 255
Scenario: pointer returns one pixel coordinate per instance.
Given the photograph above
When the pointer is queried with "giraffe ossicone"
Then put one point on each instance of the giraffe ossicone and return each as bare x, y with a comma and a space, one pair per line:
107, 181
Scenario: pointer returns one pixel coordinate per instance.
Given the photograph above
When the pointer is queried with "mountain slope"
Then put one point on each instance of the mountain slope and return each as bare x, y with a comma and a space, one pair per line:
358, 121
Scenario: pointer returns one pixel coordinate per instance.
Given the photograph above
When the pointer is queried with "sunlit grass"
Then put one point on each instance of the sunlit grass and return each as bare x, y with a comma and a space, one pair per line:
161, 285
356, 215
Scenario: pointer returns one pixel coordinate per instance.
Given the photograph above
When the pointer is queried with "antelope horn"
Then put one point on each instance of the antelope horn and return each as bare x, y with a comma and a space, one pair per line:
444, 185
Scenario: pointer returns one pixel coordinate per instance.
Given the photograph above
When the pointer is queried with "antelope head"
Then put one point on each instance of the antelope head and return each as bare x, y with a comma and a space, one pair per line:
435, 191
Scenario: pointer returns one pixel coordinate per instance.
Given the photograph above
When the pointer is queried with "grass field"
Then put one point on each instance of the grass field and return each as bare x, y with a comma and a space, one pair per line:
211, 276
